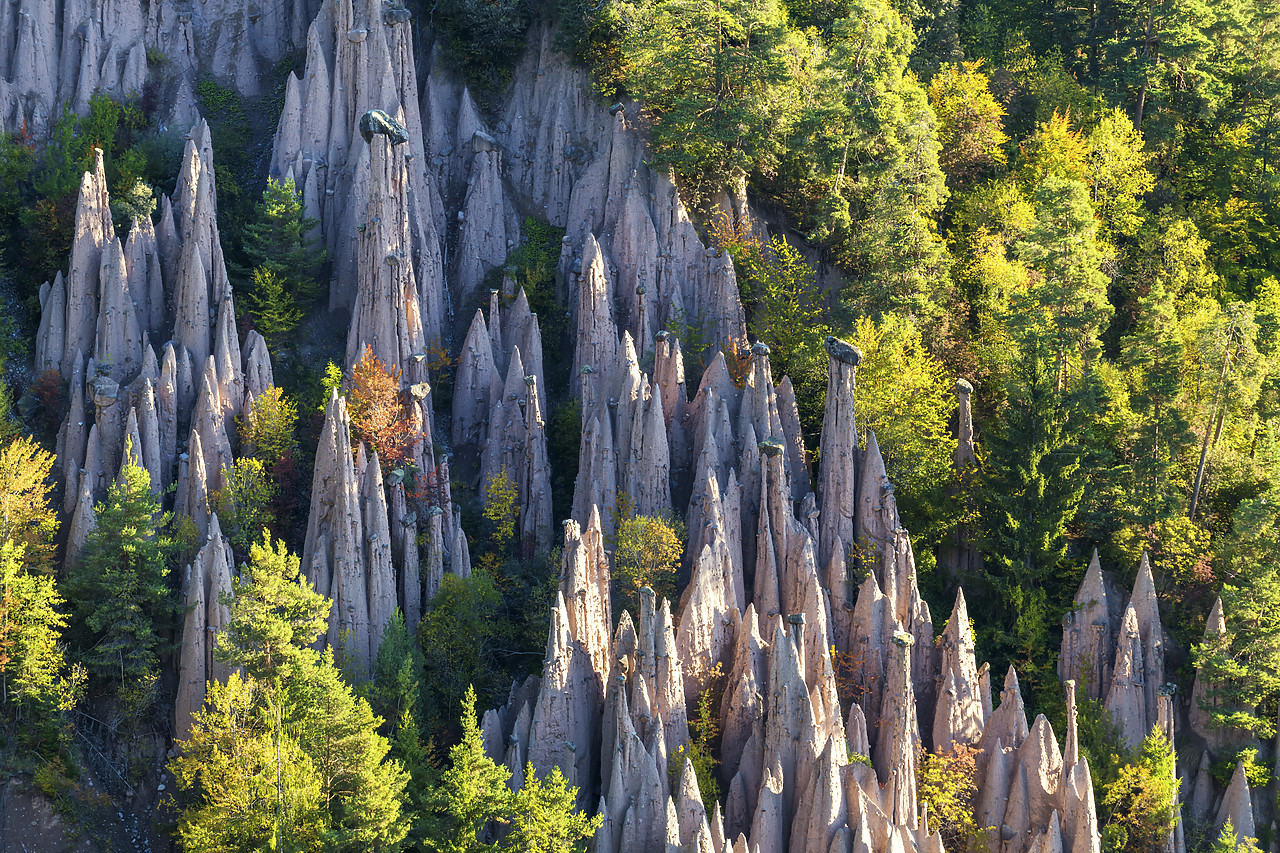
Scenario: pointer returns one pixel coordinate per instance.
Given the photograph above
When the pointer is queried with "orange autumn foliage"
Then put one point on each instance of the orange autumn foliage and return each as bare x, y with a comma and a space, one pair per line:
379, 416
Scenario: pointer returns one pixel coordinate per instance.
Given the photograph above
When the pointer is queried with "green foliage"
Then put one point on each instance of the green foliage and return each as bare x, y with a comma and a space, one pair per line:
704, 742
243, 504
281, 244
500, 510
1257, 775
37, 683
459, 637
137, 201
861, 171
544, 819
594, 35
715, 79
946, 781
1229, 841
250, 787
395, 695
482, 40
1030, 492
787, 313
330, 381
27, 520
472, 802
285, 752
1067, 300
274, 310
267, 428
1141, 799
646, 552
472, 793
118, 588
531, 266
969, 124
564, 444
907, 400
1242, 667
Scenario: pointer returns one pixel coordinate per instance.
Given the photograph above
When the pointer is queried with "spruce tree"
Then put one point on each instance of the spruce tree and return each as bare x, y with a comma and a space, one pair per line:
119, 588
281, 240
311, 756
472, 793
1031, 489
1153, 354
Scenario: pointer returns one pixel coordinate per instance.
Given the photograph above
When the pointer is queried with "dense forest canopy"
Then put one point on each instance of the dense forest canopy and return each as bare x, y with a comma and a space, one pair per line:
1045, 235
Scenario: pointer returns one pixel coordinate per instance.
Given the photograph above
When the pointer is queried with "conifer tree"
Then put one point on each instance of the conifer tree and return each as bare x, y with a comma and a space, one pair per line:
1154, 355
543, 816
282, 241
1030, 490
1068, 298
472, 793
275, 311
1243, 666
310, 770
1229, 841
714, 76
395, 695
119, 588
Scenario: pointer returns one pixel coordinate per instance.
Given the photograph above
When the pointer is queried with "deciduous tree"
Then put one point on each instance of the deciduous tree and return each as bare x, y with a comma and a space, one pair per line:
26, 518
378, 414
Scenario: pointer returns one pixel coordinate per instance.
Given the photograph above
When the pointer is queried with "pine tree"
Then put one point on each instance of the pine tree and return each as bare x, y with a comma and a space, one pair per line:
251, 789
1141, 799
543, 816
310, 764
275, 616
119, 588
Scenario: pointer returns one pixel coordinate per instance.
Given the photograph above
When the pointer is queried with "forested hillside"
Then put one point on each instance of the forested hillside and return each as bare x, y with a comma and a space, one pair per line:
640, 425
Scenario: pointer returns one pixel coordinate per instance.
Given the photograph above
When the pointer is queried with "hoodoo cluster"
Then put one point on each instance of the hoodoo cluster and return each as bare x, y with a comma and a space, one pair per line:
801, 604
